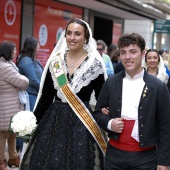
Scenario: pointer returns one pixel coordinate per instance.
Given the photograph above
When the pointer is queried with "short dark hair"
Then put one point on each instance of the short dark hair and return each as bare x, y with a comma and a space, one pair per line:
152, 50
115, 55
101, 42
128, 39
79, 21
6, 50
112, 47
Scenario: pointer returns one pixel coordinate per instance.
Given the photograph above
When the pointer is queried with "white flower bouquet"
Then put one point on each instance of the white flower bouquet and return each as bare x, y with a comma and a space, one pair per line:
23, 124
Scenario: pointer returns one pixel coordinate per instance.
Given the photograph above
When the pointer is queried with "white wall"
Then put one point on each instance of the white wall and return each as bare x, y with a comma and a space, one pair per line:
143, 27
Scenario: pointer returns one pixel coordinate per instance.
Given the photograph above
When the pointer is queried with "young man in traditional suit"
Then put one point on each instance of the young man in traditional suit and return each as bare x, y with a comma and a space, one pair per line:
138, 123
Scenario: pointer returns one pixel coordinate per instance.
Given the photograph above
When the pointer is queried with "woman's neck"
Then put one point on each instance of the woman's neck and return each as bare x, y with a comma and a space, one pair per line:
152, 71
77, 54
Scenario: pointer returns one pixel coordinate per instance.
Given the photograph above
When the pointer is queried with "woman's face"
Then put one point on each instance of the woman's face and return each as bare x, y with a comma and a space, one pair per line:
38, 47
152, 59
75, 36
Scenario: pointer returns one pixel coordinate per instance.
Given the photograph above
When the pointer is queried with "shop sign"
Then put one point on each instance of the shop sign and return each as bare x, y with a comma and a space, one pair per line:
50, 24
10, 20
162, 26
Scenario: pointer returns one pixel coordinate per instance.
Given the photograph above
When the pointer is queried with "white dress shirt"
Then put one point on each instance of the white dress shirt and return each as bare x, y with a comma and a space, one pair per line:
131, 93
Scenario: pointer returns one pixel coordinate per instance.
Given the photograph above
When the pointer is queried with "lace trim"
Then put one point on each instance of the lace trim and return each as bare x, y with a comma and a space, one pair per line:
88, 71
163, 76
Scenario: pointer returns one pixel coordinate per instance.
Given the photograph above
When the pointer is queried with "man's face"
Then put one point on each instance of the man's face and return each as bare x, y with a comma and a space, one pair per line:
100, 49
131, 58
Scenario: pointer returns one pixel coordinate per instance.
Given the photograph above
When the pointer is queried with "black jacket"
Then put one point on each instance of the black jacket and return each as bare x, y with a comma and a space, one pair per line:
153, 112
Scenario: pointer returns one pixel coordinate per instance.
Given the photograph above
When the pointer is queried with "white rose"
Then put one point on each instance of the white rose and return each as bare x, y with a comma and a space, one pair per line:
23, 123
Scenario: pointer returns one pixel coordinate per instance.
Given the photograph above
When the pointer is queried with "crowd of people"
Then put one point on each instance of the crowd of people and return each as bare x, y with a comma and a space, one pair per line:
127, 129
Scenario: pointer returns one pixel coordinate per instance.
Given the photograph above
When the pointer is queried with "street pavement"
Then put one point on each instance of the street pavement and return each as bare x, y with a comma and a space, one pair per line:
14, 168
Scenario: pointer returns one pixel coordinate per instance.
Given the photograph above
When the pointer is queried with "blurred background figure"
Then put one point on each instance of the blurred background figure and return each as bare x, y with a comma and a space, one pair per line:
165, 58
106, 49
119, 67
162, 53
10, 83
101, 48
113, 53
115, 58
155, 66
30, 67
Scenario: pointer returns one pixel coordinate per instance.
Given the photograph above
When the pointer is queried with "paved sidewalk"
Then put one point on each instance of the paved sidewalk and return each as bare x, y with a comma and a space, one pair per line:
14, 168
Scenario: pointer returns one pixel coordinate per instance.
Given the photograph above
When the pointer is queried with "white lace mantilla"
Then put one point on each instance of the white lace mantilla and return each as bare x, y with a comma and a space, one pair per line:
163, 76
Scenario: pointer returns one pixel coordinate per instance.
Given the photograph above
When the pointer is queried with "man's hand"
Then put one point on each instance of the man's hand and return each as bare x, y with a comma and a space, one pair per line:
117, 125
161, 167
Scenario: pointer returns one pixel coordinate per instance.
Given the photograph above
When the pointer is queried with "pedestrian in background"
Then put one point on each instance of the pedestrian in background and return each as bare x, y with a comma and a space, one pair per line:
10, 83
29, 66
113, 53
162, 53
108, 64
138, 123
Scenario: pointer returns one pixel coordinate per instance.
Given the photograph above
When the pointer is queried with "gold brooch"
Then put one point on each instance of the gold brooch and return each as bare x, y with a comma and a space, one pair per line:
145, 91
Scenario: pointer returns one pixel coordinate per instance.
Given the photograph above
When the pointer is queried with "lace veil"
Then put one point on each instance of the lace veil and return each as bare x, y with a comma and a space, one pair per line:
94, 60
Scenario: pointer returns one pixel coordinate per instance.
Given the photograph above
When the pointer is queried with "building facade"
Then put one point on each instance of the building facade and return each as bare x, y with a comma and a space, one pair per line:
46, 19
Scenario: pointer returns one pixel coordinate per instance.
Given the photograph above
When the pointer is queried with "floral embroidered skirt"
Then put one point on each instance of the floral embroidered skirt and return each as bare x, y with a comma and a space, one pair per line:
62, 142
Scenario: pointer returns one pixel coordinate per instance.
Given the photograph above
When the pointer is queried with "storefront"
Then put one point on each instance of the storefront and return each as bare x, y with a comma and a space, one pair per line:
45, 20
10, 21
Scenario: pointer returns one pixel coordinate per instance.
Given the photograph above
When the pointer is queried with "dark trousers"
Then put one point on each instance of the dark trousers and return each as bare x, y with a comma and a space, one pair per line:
117, 159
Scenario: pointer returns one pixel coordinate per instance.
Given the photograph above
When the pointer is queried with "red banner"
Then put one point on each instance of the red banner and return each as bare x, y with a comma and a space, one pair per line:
10, 19
117, 32
50, 20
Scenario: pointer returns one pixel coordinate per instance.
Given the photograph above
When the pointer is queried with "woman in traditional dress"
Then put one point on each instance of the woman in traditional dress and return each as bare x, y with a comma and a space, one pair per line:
67, 137
155, 66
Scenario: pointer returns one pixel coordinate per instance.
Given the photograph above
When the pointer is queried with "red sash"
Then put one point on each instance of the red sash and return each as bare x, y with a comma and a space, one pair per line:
126, 142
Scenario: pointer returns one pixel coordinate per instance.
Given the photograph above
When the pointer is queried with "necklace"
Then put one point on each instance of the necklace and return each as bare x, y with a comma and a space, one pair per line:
72, 64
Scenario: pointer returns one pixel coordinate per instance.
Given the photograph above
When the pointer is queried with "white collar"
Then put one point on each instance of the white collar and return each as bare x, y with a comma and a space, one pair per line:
137, 76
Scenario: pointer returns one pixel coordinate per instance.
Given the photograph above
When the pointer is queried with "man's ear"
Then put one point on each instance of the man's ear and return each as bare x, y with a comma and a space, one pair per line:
143, 53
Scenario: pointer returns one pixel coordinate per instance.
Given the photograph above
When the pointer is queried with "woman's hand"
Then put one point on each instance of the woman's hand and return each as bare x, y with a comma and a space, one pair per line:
105, 111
